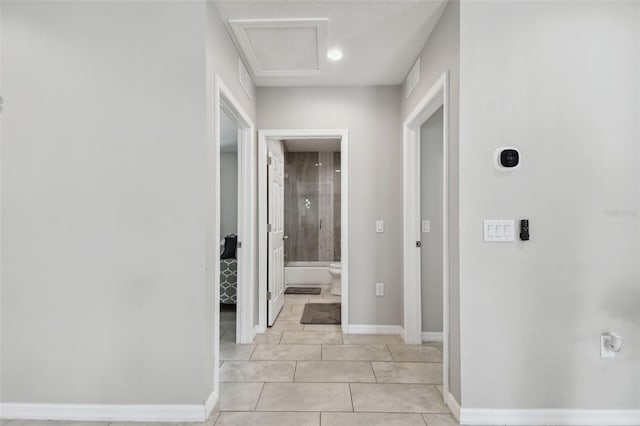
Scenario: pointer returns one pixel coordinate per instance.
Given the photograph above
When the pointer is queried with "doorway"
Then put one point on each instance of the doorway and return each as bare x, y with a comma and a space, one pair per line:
303, 231
425, 228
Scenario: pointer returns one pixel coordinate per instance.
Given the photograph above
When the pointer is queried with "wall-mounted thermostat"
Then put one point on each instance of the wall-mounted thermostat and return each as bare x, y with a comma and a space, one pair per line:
506, 158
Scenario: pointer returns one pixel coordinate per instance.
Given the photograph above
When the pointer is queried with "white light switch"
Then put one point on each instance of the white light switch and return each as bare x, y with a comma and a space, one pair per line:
426, 226
379, 289
499, 230
379, 225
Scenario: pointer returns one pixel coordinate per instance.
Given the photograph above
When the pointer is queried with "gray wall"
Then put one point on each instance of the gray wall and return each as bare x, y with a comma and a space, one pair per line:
372, 115
228, 193
441, 53
106, 284
431, 193
561, 82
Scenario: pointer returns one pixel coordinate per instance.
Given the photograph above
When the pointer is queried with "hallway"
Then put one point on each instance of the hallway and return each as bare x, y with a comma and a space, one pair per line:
313, 375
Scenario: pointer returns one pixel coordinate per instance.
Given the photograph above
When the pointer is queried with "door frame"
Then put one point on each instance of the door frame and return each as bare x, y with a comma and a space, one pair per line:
283, 134
225, 101
436, 97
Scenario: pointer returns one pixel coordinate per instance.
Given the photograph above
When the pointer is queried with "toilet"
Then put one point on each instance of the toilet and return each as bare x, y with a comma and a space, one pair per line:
335, 270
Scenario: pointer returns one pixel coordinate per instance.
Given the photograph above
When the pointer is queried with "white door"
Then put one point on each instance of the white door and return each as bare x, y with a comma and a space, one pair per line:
275, 265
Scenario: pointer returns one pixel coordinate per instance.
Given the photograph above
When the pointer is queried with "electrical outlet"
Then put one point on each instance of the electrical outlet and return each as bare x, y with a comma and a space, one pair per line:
379, 289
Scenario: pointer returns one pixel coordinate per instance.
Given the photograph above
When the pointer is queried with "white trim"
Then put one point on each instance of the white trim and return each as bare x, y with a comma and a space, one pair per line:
210, 403
453, 405
263, 137
480, 416
374, 329
432, 336
258, 330
105, 412
436, 97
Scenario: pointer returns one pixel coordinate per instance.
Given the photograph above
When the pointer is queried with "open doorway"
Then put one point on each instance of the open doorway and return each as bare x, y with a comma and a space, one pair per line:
303, 193
425, 228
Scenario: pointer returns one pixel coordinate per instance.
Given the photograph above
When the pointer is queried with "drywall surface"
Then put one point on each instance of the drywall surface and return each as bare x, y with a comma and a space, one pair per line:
431, 156
440, 54
372, 116
228, 193
103, 181
560, 82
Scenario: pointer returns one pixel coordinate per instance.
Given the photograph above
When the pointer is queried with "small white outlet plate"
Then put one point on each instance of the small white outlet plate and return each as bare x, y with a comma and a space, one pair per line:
426, 226
604, 351
379, 225
379, 289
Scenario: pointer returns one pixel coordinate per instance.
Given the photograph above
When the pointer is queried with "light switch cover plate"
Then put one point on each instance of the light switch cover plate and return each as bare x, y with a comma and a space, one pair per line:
499, 230
379, 225
426, 226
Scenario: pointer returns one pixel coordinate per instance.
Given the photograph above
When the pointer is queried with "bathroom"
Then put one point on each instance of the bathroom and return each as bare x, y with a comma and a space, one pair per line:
312, 215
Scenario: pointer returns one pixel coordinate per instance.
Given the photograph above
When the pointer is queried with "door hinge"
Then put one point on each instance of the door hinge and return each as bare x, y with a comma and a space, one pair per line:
269, 227
239, 245
268, 295
269, 160
418, 244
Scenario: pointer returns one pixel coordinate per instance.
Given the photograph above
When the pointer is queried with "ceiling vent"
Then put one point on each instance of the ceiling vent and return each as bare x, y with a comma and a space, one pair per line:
283, 47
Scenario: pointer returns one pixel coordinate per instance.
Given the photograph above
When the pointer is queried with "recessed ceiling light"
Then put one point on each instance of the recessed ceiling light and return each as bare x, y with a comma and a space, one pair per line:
334, 54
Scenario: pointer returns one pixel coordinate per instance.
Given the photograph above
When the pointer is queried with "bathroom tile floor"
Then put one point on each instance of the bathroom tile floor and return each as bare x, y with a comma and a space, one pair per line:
296, 374
312, 375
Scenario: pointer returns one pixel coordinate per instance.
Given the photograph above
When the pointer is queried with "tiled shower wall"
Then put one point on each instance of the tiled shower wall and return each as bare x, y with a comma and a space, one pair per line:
312, 206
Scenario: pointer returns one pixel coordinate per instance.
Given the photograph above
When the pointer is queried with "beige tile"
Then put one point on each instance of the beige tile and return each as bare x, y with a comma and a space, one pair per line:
305, 397
439, 420
312, 337
440, 389
292, 315
268, 419
356, 353
334, 371
330, 298
397, 398
372, 339
295, 299
408, 372
419, 353
233, 352
257, 371
287, 352
228, 337
239, 396
322, 327
270, 337
369, 419
285, 325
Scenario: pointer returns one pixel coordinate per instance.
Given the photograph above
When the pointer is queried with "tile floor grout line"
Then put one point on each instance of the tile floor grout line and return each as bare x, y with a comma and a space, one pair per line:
259, 396
353, 408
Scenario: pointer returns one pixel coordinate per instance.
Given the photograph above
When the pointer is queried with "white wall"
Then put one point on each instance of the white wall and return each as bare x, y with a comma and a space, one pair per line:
103, 175
561, 82
441, 53
431, 156
372, 115
228, 193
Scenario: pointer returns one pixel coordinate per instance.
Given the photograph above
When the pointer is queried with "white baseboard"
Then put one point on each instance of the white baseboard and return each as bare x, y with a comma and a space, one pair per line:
99, 412
374, 329
559, 417
210, 403
432, 336
257, 330
453, 405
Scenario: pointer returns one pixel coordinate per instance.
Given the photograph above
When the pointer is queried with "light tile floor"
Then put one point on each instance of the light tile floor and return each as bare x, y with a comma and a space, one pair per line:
312, 375
296, 374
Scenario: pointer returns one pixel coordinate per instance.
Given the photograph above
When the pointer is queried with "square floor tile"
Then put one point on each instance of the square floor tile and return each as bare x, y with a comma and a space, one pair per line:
268, 419
284, 325
233, 352
439, 420
334, 371
356, 353
421, 353
397, 398
311, 337
408, 372
305, 397
257, 371
270, 337
372, 339
371, 419
287, 352
239, 396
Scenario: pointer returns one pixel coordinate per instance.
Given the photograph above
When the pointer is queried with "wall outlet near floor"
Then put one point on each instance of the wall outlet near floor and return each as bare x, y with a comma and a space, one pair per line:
379, 289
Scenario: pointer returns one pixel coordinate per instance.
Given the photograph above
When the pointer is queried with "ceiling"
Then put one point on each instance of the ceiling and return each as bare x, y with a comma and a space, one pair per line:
285, 42
312, 145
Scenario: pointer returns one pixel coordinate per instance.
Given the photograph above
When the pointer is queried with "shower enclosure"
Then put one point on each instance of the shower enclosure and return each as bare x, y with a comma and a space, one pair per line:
311, 211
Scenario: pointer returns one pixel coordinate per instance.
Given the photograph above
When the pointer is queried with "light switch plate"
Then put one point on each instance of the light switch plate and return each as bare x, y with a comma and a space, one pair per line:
379, 289
499, 230
426, 226
379, 225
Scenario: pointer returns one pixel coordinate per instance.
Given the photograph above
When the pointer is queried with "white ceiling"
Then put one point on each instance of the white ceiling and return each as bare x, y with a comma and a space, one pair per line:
380, 39
312, 145
228, 134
